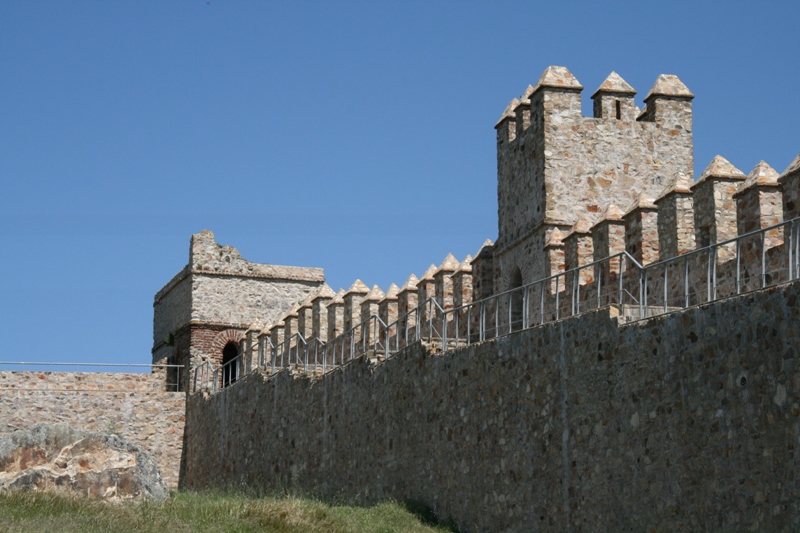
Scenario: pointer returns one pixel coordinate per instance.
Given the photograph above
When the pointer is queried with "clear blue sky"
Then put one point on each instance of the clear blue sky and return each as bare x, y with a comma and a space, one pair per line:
354, 136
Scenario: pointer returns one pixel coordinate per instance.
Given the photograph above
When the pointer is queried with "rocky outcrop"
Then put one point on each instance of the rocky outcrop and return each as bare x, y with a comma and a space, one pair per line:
61, 458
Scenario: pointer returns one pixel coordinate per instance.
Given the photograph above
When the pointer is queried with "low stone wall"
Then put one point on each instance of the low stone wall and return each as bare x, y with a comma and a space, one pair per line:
134, 406
687, 421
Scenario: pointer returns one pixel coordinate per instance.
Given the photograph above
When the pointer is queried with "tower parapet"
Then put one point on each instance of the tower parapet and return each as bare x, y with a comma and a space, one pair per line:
563, 164
202, 314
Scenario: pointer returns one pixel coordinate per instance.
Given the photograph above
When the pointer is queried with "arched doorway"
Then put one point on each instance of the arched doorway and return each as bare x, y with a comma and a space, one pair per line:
230, 370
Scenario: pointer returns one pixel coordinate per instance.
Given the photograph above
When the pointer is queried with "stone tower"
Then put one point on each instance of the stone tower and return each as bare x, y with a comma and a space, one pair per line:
203, 312
555, 166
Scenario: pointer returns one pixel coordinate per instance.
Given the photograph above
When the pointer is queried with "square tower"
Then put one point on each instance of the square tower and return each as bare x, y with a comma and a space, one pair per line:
203, 312
555, 165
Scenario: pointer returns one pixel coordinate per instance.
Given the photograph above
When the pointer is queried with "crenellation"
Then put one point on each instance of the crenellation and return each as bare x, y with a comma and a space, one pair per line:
290, 324
714, 207
522, 112
641, 230
407, 301
790, 185
352, 306
507, 124
305, 317
462, 283
483, 271
388, 307
443, 281
613, 100
579, 248
335, 312
759, 203
676, 233
669, 103
319, 313
426, 290
277, 334
369, 309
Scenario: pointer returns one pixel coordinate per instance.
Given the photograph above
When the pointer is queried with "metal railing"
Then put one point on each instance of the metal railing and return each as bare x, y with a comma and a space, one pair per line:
171, 383
751, 261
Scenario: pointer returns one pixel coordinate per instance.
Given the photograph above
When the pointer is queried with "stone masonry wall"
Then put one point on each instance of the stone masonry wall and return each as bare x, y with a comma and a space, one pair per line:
687, 421
172, 307
235, 300
133, 406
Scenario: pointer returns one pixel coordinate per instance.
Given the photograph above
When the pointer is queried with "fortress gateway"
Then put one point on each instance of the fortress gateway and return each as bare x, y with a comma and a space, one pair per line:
624, 356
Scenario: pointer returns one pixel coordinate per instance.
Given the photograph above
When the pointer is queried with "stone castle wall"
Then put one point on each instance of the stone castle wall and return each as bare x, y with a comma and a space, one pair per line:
683, 422
134, 406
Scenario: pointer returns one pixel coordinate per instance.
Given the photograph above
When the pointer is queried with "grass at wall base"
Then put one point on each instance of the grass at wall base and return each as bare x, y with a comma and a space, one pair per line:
208, 512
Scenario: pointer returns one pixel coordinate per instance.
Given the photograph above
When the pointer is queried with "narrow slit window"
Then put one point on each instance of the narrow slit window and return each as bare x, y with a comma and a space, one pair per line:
619, 109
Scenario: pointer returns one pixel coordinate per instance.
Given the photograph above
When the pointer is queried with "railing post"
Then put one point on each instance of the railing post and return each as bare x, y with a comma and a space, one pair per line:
763, 259
686, 281
738, 267
641, 293
508, 301
598, 276
715, 259
558, 304
708, 275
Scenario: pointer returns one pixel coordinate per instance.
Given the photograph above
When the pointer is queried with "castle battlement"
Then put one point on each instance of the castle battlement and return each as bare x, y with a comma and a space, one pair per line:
574, 191
586, 206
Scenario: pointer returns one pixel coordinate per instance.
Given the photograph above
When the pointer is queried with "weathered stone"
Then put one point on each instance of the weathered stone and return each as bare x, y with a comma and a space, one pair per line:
714, 206
60, 458
128, 404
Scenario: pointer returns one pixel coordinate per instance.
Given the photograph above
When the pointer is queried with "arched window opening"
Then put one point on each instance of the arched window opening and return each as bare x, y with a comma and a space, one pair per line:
516, 300
230, 367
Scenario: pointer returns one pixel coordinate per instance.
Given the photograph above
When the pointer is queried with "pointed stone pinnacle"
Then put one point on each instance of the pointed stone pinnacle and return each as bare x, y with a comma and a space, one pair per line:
793, 167
720, 168
339, 298
583, 226
358, 287
410, 284
680, 183
614, 84
558, 77
612, 212
486, 244
642, 201
375, 293
391, 292
450, 264
509, 111
762, 174
669, 85
526, 96
556, 238
428, 275
465, 265
324, 292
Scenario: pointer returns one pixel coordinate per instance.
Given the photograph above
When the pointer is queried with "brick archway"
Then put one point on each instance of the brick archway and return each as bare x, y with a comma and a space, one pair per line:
222, 338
